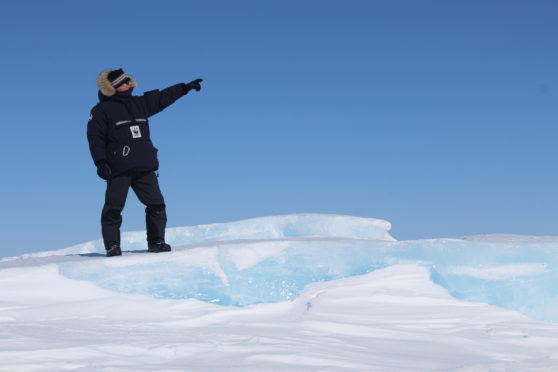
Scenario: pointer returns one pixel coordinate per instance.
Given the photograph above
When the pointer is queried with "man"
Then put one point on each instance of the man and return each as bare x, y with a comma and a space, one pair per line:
119, 141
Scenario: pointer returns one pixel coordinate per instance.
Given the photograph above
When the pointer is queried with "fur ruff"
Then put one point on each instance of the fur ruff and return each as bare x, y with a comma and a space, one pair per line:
104, 84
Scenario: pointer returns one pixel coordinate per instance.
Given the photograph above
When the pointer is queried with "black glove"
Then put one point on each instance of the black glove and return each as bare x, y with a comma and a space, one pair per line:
194, 85
103, 170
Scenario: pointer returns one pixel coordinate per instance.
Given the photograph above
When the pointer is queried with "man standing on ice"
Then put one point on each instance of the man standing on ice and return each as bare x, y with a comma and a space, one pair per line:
119, 141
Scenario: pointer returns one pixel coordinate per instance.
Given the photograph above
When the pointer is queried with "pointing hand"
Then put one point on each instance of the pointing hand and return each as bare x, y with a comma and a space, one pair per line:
195, 84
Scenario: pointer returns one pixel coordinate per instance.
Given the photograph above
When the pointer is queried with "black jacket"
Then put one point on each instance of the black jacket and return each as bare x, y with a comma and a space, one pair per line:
118, 128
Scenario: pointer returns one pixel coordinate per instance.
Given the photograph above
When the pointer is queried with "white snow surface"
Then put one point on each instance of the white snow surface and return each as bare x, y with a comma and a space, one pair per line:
284, 293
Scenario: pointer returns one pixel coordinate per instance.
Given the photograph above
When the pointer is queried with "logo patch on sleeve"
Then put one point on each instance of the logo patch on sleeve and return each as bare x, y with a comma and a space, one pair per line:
135, 131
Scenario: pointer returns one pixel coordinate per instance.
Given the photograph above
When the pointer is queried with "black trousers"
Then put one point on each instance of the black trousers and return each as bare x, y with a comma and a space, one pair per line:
146, 188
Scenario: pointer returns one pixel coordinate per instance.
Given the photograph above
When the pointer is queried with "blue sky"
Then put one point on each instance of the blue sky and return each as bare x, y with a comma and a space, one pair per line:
438, 116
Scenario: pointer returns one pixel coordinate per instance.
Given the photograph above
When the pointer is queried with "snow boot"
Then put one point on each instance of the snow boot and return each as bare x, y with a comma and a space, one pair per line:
114, 250
158, 247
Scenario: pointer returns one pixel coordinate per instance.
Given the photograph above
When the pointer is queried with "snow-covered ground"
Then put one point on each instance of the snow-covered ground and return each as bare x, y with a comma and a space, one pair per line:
284, 293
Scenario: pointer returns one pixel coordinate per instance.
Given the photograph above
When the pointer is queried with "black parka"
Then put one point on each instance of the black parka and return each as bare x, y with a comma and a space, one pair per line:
118, 128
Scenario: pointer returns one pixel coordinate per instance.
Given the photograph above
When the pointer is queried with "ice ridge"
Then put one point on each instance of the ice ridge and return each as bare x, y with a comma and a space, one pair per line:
273, 258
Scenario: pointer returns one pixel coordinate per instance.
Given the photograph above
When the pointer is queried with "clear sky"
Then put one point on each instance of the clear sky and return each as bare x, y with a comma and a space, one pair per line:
438, 116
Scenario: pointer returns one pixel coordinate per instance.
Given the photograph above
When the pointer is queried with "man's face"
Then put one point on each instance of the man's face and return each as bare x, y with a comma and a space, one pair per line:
124, 87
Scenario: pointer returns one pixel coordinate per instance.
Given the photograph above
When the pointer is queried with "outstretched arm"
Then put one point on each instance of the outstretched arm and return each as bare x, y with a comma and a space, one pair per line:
157, 100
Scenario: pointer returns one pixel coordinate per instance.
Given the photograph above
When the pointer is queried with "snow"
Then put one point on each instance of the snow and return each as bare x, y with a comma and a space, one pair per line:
289, 293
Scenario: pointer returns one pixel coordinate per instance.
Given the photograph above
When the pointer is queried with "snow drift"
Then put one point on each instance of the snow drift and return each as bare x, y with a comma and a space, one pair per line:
273, 259
284, 293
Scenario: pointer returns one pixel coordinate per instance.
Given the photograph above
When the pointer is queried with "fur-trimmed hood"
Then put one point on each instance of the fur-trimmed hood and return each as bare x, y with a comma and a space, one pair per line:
105, 86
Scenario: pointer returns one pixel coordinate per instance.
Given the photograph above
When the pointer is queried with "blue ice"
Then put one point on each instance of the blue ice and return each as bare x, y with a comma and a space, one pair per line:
272, 259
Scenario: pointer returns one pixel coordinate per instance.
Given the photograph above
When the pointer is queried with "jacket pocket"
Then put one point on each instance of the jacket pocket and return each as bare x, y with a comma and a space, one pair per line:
137, 155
